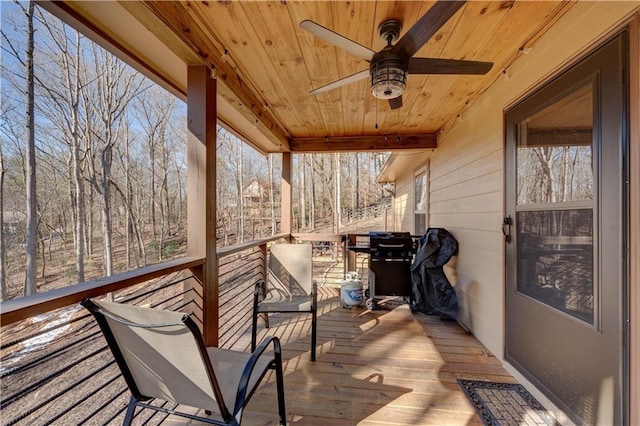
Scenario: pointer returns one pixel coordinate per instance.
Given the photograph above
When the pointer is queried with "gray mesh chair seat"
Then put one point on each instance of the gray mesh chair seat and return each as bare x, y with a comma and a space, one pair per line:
289, 287
162, 355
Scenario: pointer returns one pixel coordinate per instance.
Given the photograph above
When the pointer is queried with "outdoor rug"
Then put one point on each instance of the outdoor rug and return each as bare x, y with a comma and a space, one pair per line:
505, 404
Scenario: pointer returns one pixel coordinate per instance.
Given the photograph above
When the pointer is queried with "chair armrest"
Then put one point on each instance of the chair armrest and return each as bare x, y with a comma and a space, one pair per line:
260, 289
248, 369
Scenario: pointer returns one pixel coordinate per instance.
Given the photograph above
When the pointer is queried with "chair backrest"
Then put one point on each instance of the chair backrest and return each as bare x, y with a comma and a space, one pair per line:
291, 267
160, 353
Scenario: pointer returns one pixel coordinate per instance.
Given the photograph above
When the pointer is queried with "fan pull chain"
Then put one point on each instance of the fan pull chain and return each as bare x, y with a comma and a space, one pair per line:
375, 102
398, 138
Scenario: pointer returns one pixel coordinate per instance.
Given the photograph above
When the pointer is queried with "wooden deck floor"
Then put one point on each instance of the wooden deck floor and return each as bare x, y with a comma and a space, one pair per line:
384, 367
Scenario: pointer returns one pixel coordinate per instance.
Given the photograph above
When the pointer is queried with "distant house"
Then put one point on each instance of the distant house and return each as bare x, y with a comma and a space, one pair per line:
256, 192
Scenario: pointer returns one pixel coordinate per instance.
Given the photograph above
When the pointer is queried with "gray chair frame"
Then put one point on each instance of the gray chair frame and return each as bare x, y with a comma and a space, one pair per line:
119, 322
296, 292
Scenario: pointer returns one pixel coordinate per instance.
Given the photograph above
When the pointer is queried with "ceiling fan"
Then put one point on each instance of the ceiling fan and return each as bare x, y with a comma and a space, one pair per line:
389, 67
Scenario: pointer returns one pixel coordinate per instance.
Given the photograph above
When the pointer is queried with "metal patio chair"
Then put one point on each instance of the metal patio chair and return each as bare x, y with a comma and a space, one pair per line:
289, 287
162, 355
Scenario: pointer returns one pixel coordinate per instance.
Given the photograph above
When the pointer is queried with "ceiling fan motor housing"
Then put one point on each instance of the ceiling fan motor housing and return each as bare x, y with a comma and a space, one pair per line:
389, 31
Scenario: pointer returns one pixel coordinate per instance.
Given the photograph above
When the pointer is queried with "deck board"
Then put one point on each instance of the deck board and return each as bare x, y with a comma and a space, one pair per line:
386, 367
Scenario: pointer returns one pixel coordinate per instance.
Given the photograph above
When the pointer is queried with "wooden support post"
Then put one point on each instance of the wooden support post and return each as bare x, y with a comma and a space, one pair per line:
201, 190
265, 261
350, 264
634, 225
285, 194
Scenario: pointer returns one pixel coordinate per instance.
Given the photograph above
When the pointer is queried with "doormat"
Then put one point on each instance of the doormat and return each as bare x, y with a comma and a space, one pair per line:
505, 404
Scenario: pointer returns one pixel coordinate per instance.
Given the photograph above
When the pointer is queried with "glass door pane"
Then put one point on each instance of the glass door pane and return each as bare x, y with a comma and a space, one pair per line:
555, 205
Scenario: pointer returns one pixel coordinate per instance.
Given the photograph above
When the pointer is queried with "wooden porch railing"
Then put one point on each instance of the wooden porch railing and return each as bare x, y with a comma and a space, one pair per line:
37, 304
56, 365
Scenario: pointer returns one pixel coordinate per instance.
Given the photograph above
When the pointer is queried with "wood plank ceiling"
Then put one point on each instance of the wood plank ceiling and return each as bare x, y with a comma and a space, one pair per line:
266, 65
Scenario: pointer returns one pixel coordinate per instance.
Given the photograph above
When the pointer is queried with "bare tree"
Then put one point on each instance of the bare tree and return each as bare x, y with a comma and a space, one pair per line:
30, 284
337, 206
116, 86
67, 116
272, 201
302, 190
157, 109
312, 207
240, 186
29, 163
3, 278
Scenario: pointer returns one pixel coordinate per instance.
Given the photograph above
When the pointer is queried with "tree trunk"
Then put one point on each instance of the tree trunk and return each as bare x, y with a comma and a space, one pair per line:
79, 207
338, 195
303, 189
90, 224
312, 207
164, 194
152, 193
272, 200
240, 196
106, 211
129, 201
3, 278
357, 176
72, 195
30, 284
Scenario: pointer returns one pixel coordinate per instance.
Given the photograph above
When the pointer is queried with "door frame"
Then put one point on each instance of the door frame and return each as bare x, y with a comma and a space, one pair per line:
630, 264
633, 362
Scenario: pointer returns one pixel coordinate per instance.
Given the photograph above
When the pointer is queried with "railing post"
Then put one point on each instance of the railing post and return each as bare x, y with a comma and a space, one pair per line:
350, 263
201, 190
265, 254
285, 194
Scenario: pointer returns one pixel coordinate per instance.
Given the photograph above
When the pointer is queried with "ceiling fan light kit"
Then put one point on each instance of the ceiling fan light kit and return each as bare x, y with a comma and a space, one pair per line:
388, 79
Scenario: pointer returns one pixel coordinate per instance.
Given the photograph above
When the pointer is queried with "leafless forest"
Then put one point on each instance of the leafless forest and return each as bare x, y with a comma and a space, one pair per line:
93, 167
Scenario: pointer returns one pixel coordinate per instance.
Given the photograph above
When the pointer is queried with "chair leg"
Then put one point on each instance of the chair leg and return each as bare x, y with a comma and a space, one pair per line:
282, 411
313, 335
254, 326
131, 408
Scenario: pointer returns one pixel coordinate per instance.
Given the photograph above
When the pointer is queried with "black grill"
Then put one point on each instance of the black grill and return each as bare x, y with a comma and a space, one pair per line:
390, 245
390, 258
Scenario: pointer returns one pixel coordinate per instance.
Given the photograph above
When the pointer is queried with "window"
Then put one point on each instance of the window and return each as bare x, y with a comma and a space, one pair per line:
420, 210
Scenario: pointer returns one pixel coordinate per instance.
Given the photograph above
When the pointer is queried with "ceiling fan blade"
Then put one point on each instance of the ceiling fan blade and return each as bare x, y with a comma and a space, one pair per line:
342, 82
426, 27
395, 103
337, 40
447, 66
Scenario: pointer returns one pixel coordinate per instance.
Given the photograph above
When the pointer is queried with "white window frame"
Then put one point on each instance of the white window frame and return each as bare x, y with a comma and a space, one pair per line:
424, 210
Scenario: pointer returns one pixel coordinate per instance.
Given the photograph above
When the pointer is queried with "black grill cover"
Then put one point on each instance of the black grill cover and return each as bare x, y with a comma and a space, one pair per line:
432, 292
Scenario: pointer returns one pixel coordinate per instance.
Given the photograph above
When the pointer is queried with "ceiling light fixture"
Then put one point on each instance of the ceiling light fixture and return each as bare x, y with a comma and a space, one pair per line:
388, 78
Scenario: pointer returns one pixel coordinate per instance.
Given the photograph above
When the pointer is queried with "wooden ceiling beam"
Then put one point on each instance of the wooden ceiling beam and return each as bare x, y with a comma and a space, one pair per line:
177, 19
363, 143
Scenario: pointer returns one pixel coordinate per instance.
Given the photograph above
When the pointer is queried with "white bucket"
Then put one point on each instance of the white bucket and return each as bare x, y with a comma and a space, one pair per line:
351, 291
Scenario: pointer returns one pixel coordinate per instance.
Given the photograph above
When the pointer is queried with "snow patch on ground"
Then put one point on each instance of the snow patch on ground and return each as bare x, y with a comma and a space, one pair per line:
58, 324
